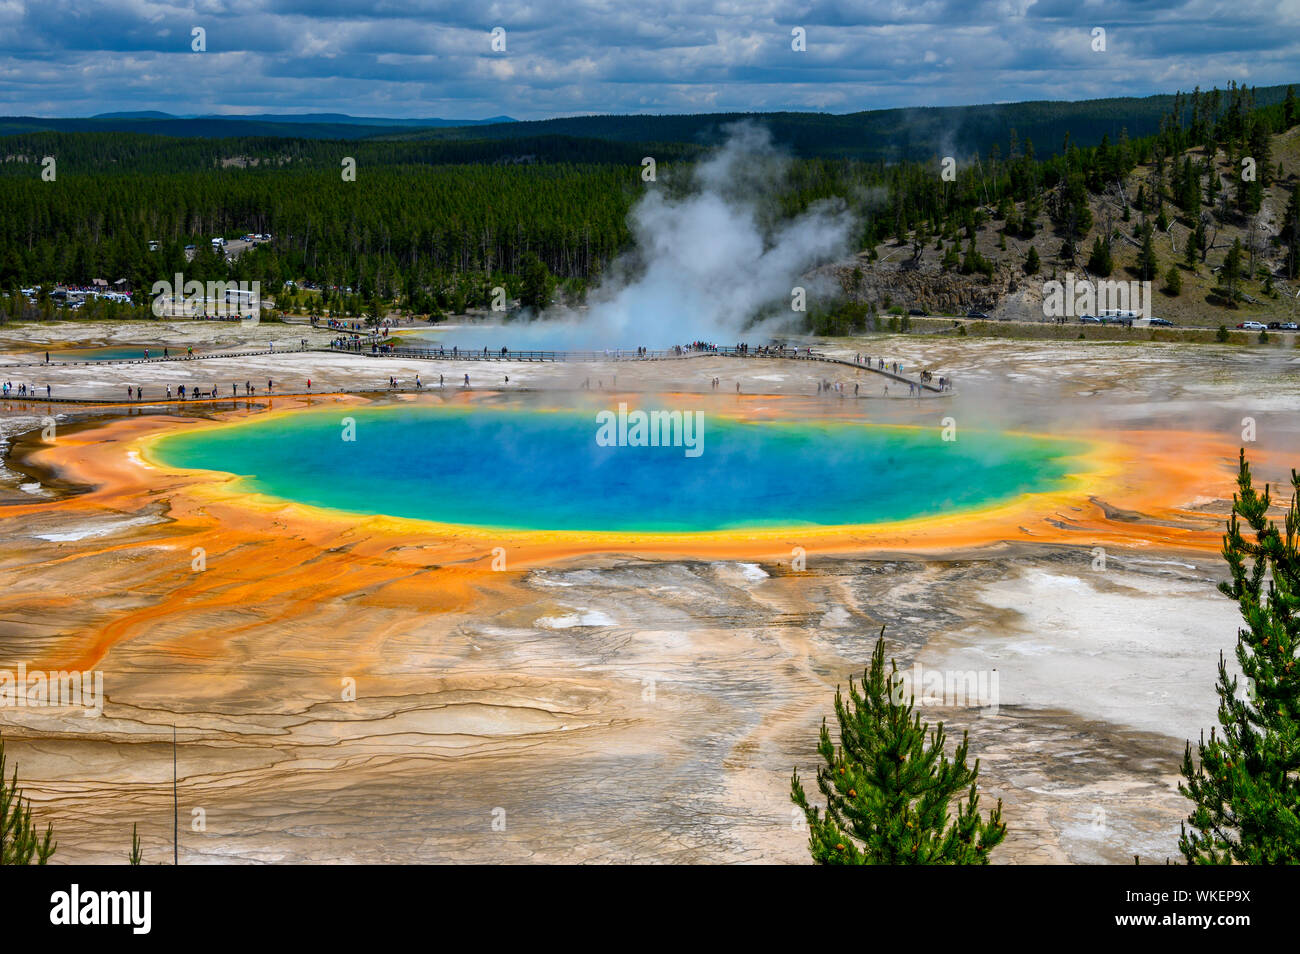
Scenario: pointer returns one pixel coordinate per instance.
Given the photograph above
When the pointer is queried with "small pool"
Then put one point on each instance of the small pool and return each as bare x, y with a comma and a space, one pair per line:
111, 353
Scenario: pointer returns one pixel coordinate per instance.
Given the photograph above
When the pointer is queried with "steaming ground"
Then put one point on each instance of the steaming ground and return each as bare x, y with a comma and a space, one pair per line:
620, 708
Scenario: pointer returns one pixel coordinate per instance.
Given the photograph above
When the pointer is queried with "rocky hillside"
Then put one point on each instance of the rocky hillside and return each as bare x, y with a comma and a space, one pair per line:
895, 275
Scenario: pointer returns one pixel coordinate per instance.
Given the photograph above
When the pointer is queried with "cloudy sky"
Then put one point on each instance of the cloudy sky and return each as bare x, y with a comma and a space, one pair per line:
425, 58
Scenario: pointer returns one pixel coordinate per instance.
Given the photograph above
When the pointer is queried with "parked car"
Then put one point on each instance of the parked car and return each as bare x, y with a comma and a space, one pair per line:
918, 312
1290, 326
1162, 322
1252, 326
1089, 320
978, 314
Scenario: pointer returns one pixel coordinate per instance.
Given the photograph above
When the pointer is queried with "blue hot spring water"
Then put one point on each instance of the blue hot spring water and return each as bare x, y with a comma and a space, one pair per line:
544, 469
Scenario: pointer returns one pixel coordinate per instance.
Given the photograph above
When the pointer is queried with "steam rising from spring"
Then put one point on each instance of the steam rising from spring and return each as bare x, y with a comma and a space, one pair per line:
704, 264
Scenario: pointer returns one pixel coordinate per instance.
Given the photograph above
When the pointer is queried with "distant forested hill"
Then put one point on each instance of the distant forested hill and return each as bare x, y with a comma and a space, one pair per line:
122, 152
203, 127
885, 134
874, 135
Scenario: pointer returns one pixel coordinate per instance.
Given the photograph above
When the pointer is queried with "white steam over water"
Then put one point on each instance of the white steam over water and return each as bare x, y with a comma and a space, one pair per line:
702, 264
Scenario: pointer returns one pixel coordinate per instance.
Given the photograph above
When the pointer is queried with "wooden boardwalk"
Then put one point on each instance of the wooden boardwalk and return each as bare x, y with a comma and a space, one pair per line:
780, 354
441, 354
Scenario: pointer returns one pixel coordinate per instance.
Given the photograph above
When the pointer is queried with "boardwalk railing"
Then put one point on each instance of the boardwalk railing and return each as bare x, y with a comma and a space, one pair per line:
378, 350
154, 358
460, 354
783, 353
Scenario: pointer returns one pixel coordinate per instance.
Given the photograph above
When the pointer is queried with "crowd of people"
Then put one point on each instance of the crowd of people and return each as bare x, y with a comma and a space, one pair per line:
9, 390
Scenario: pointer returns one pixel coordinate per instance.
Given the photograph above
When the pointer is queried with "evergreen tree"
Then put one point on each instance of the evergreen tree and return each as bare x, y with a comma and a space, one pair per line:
1261, 151
137, 854
1173, 282
1230, 274
1148, 264
538, 285
1249, 192
1291, 235
888, 792
1100, 262
1246, 782
973, 261
20, 844
1191, 251
950, 259
1189, 188
375, 310
1031, 262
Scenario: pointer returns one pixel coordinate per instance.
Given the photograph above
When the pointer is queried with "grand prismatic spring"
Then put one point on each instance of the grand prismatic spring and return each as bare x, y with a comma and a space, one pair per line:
551, 469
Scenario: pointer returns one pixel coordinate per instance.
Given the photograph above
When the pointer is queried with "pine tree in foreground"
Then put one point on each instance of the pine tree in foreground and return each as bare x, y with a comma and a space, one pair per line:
19, 842
888, 790
1247, 784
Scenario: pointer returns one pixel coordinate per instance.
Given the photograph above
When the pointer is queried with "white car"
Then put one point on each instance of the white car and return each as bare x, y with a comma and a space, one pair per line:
1252, 326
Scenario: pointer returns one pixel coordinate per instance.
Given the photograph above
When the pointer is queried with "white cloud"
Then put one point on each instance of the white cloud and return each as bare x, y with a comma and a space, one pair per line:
430, 57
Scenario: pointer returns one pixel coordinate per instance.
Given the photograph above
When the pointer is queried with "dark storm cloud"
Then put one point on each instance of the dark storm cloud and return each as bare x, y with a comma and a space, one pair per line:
427, 57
